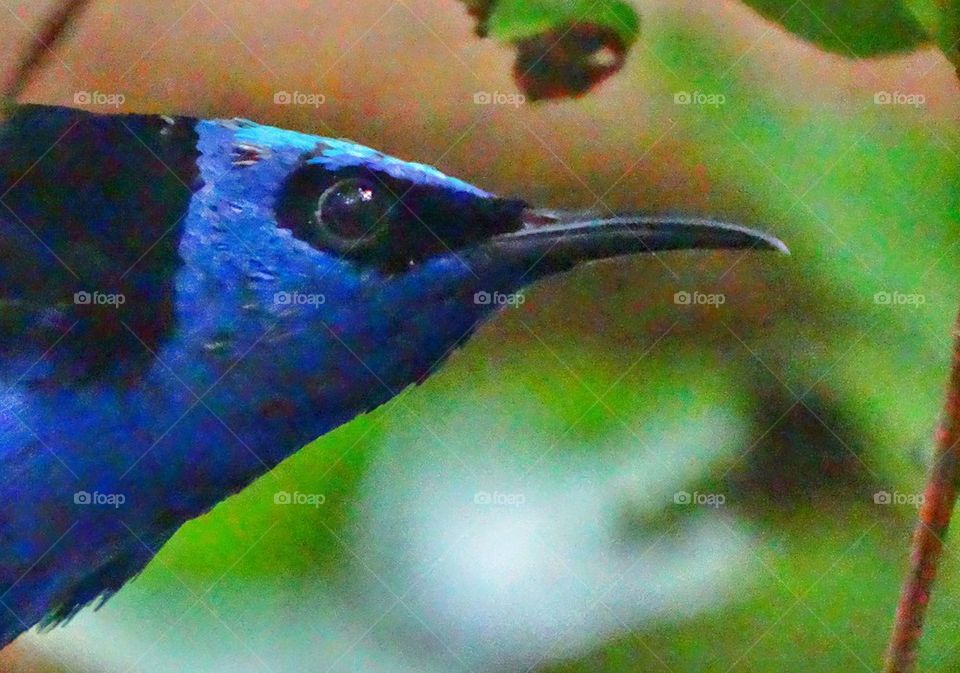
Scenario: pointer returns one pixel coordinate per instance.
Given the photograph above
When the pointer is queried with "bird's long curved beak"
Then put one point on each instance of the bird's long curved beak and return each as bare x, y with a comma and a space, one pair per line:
564, 239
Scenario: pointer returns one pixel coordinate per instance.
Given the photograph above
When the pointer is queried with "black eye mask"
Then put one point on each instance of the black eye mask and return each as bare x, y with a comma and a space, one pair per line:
374, 218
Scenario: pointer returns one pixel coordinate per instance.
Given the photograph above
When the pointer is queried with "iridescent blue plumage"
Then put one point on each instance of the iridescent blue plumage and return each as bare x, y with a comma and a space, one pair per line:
275, 286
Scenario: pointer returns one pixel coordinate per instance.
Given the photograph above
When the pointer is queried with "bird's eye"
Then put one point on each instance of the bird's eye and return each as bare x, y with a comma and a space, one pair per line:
353, 214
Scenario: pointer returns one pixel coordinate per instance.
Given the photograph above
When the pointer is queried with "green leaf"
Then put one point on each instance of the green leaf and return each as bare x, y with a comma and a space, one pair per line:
852, 28
941, 21
514, 20
927, 13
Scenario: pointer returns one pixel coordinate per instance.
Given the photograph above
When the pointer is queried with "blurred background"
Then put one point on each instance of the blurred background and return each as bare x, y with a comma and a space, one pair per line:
696, 462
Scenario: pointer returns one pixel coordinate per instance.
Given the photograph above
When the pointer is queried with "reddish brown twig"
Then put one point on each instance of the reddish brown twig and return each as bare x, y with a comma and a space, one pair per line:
938, 501
53, 28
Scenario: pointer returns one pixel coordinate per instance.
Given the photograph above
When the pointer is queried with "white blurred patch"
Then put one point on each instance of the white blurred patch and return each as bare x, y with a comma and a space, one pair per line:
512, 549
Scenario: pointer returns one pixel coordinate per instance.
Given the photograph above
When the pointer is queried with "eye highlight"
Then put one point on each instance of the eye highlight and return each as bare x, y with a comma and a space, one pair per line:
353, 214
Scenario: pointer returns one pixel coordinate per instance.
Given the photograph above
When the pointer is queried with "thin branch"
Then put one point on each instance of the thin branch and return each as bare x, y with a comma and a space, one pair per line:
52, 30
938, 502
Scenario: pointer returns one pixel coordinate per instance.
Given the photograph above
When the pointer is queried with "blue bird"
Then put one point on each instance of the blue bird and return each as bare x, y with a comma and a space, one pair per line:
184, 303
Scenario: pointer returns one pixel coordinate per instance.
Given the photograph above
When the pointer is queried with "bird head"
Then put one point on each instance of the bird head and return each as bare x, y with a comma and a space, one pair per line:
322, 269
397, 260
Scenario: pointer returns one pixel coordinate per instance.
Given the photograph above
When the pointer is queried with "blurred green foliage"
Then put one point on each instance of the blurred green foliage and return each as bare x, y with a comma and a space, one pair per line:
513, 20
851, 27
941, 21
